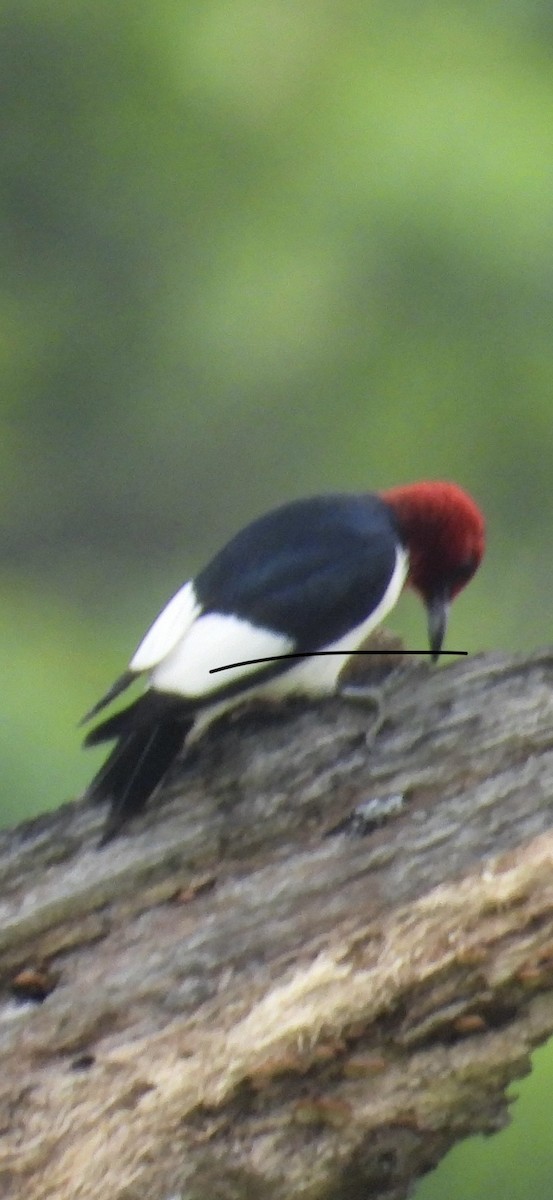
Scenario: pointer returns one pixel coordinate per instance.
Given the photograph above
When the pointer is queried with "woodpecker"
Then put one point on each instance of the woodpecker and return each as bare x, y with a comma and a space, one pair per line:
314, 575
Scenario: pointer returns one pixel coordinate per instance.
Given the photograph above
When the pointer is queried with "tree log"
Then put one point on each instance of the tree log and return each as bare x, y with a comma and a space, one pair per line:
253, 993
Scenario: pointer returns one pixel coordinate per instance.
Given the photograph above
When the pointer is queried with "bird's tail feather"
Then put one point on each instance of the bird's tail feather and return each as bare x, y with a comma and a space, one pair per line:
124, 681
143, 713
148, 743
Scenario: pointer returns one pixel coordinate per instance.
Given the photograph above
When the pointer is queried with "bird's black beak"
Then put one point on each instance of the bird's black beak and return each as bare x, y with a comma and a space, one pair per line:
437, 608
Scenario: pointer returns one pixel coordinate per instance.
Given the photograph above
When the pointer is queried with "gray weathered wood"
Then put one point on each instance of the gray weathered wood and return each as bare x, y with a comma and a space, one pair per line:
245, 1003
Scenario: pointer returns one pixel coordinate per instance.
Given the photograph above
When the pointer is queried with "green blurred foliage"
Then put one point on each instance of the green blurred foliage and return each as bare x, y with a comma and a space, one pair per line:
252, 251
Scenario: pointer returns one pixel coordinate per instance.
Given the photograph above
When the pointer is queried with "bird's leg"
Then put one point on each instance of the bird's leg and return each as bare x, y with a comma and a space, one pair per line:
365, 694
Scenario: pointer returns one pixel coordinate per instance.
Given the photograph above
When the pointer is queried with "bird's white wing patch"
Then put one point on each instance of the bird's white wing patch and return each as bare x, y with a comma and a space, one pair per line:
168, 629
215, 640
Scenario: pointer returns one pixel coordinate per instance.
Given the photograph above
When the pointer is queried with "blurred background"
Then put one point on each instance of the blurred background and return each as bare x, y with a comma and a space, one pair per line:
250, 252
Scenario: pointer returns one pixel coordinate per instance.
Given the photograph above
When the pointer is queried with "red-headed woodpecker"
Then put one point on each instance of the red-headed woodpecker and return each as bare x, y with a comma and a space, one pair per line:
315, 575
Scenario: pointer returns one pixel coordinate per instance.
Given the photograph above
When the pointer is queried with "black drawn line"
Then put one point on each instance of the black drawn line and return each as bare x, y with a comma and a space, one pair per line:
250, 662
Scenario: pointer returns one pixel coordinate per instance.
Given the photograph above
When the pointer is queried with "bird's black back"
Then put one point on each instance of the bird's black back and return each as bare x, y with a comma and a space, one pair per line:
312, 569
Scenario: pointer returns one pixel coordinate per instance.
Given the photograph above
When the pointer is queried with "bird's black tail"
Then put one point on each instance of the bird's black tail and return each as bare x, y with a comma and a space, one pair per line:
149, 735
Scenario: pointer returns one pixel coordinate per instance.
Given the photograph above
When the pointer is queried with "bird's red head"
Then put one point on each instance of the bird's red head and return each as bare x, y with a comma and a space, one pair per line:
443, 530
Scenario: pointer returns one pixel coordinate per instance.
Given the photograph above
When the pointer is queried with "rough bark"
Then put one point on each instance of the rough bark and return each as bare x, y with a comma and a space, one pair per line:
245, 995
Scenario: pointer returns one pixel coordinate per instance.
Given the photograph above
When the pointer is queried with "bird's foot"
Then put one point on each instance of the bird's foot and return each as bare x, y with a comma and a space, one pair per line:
367, 696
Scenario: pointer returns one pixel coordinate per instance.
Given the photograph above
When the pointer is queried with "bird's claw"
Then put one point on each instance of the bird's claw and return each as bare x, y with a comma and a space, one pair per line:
366, 695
